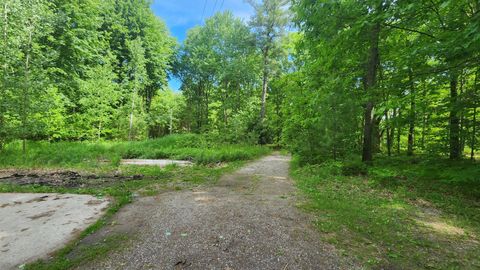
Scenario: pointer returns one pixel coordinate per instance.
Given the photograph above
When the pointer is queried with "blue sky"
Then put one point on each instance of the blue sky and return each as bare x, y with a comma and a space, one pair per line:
181, 15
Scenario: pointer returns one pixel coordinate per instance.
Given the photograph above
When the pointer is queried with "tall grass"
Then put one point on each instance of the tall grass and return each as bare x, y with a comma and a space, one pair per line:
196, 148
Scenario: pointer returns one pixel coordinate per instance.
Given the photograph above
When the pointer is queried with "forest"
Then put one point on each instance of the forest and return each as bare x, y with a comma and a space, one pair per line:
325, 79
377, 101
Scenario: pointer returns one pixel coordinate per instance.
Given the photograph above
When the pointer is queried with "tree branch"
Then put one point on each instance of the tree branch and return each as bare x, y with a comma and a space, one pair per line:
410, 30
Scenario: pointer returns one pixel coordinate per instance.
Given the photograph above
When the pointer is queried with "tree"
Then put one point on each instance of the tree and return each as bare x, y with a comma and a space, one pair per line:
166, 114
8, 50
269, 24
69, 67
28, 75
415, 59
137, 76
78, 43
475, 98
217, 65
100, 98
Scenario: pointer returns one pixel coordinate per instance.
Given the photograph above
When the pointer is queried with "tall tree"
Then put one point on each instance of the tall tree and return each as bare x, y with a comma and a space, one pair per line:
269, 24
475, 98
6, 55
137, 77
370, 81
29, 75
218, 67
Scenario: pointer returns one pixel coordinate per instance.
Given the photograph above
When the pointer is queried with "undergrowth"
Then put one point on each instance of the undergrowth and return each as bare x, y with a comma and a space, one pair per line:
196, 148
400, 213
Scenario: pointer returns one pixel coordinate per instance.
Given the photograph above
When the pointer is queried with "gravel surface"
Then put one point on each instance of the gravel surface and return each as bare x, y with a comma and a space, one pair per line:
247, 221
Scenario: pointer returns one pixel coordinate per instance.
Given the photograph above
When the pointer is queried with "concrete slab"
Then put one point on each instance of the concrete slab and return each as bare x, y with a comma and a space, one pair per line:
32, 226
155, 162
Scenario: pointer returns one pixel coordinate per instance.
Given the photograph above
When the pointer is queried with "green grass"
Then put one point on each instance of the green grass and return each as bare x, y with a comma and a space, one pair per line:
401, 213
192, 147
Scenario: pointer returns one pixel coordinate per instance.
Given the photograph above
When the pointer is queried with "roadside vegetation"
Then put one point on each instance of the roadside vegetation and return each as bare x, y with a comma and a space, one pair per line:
401, 213
382, 117
90, 155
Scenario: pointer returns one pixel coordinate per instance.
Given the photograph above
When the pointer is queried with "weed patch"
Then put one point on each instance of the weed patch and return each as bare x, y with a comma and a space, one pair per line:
91, 155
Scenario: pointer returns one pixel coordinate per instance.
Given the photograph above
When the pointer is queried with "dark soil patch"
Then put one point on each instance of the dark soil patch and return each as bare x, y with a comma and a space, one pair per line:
67, 179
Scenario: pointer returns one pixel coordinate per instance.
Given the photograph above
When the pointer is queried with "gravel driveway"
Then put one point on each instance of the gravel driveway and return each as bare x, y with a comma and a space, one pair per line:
247, 221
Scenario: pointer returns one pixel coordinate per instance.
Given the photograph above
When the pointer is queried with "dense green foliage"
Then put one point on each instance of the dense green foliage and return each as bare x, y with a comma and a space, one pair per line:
226, 67
384, 76
370, 77
385, 80
80, 69
217, 66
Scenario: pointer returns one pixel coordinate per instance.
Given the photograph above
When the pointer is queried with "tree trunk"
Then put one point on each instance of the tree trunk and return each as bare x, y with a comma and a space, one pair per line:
4, 78
278, 112
412, 116
424, 131
25, 94
225, 109
99, 130
474, 120
367, 154
369, 83
454, 119
170, 127
199, 113
130, 130
424, 117
377, 134
474, 131
389, 133
264, 85
207, 104
399, 132
335, 130
461, 111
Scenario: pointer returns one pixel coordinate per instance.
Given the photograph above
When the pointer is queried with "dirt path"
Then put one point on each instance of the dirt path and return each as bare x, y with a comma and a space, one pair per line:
247, 221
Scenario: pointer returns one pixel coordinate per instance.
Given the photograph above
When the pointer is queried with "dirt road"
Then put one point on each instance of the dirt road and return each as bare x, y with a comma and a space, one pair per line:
247, 221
